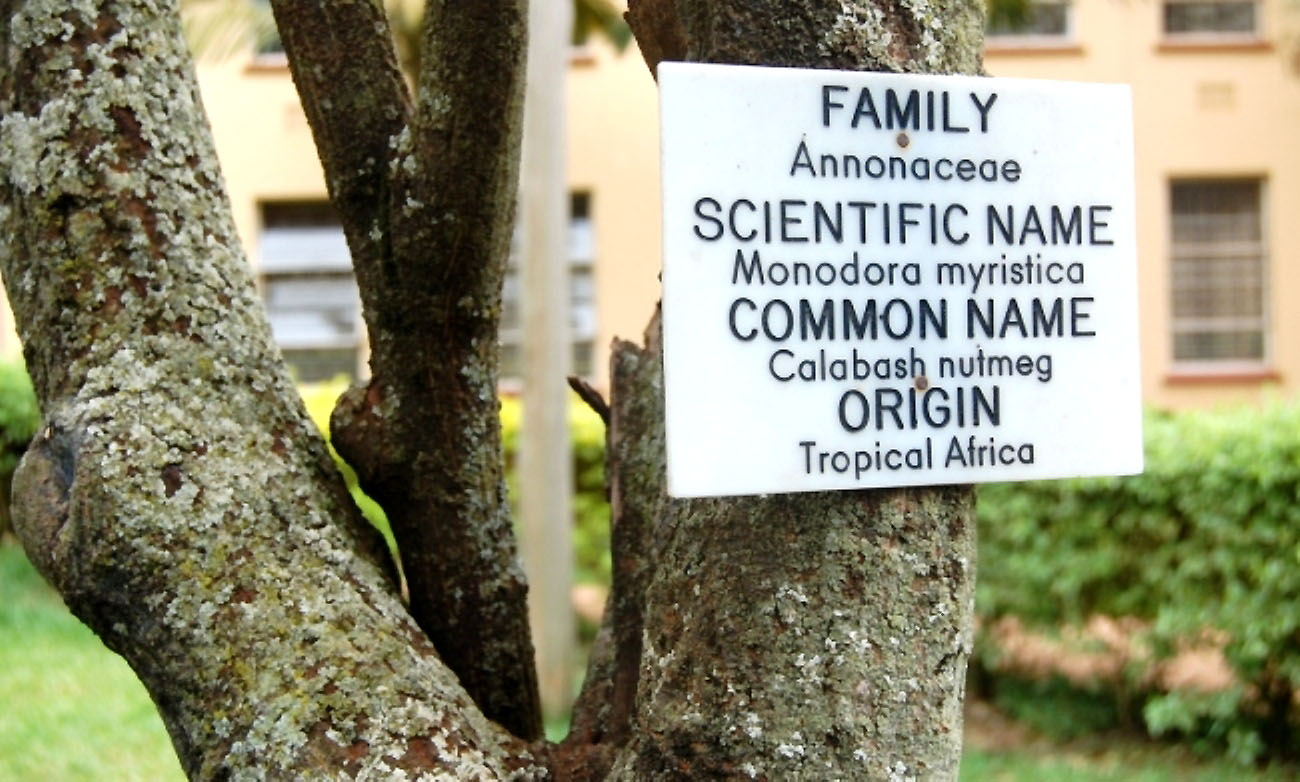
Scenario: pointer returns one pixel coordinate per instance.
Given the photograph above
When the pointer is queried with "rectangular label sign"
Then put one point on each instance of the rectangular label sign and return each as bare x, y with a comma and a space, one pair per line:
894, 280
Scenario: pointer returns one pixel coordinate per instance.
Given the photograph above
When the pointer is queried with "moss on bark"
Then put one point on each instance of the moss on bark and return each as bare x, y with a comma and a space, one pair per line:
186, 509
177, 495
810, 636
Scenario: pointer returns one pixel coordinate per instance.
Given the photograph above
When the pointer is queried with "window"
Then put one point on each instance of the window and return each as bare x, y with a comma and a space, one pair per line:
311, 296
1207, 18
261, 26
582, 296
1041, 21
1218, 272
582, 283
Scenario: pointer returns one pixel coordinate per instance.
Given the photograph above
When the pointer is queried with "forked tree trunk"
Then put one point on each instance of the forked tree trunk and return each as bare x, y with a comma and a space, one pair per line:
181, 502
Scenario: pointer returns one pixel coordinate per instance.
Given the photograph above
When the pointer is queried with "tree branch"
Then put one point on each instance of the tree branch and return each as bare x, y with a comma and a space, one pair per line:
591, 397
879, 35
427, 198
606, 710
345, 69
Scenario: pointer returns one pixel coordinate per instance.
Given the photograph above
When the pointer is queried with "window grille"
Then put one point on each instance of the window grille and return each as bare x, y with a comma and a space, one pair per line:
1206, 17
1041, 19
1219, 282
311, 295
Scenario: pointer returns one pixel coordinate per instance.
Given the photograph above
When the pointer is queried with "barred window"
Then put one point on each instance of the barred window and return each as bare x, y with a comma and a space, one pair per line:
311, 295
1211, 18
1219, 281
582, 297
1040, 19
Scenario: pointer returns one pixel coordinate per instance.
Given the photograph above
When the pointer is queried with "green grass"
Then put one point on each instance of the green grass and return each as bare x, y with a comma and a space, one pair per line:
71, 710
1127, 762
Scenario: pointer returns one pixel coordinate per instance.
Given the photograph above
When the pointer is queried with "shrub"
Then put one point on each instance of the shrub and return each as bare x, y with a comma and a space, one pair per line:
19, 418
590, 509
1204, 544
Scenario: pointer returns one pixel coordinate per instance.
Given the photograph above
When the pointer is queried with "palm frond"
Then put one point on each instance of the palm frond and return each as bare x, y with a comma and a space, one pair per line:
600, 17
1007, 13
220, 29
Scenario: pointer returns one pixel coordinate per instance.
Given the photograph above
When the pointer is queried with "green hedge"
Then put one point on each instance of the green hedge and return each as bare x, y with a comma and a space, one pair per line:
19, 417
590, 508
1206, 539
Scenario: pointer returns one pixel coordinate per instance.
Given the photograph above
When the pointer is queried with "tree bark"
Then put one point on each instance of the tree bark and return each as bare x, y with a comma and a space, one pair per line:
182, 503
810, 636
426, 190
178, 496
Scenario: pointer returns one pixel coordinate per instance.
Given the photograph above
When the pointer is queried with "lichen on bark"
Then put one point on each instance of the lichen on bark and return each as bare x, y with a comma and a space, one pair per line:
813, 636
177, 495
425, 186
188, 512
916, 36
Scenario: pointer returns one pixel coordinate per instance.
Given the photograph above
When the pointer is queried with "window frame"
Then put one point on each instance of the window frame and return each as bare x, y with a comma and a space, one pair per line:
1211, 37
1067, 39
1228, 367
327, 259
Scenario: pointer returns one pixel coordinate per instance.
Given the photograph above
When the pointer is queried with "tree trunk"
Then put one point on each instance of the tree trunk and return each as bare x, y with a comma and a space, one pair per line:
177, 495
425, 186
809, 636
182, 503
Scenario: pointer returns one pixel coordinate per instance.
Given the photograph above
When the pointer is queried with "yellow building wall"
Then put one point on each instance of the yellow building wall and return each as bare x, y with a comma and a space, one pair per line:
1200, 110
262, 139
614, 153
1206, 111
266, 153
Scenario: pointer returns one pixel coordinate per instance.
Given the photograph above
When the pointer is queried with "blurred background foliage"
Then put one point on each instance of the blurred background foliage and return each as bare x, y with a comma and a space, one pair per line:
220, 29
1200, 554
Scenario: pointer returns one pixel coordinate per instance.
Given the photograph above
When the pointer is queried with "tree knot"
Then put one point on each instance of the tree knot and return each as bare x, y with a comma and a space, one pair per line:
42, 485
360, 433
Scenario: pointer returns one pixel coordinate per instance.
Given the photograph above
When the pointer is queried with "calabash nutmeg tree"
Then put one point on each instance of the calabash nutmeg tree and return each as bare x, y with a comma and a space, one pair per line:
182, 503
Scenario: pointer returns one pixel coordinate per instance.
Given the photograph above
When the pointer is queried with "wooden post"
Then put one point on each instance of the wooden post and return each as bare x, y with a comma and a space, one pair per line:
545, 457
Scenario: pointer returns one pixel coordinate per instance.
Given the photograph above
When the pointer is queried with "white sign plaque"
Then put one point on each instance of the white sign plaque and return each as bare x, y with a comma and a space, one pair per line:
892, 280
